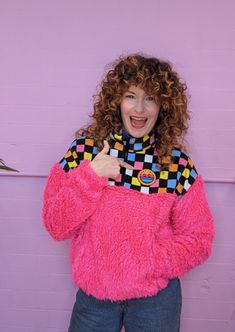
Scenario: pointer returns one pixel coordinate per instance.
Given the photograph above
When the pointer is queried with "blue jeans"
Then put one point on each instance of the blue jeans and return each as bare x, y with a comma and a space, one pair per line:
158, 313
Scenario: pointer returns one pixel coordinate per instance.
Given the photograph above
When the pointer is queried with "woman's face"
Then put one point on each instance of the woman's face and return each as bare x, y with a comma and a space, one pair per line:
139, 111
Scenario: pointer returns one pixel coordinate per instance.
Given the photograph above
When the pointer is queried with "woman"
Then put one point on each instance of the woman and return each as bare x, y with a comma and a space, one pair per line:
130, 199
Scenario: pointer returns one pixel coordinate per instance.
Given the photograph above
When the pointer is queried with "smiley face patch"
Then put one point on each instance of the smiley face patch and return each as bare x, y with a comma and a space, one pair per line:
146, 177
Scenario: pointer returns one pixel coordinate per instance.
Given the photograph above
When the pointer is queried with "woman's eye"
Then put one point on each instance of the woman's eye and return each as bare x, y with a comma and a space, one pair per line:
130, 96
150, 98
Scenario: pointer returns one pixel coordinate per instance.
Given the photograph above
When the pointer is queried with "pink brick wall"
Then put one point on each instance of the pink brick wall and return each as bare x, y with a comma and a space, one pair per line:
52, 56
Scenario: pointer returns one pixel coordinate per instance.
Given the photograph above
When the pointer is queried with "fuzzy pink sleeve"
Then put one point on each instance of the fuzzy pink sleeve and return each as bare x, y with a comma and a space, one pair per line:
190, 242
70, 198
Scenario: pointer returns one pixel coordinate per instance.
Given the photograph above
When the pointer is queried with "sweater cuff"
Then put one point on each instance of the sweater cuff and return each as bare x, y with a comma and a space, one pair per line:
85, 174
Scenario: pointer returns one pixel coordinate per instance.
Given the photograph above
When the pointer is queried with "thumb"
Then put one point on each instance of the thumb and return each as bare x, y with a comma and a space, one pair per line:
105, 149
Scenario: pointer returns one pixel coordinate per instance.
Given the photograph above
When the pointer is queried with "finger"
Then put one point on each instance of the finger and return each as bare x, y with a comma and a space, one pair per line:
125, 165
105, 149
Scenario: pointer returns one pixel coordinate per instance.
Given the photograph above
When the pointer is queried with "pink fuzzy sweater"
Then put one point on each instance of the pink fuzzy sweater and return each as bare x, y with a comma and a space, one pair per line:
125, 243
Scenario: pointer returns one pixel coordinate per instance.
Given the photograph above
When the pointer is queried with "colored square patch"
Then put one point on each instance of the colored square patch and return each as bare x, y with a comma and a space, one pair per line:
186, 173
148, 158
87, 156
89, 141
164, 175
144, 190
179, 188
138, 165
171, 183
176, 153
80, 148
193, 174
129, 172
72, 164
187, 185
135, 181
131, 156
138, 146
183, 161
162, 190
127, 185
118, 146
190, 162
155, 168
75, 156
155, 184
173, 168
64, 162
113, 153
68, 154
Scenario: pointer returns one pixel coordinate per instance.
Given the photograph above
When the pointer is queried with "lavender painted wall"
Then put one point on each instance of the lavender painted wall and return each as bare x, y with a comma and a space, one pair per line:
52, 56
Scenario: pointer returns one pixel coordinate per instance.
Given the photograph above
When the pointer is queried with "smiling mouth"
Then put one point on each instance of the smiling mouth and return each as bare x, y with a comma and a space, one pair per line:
138, 122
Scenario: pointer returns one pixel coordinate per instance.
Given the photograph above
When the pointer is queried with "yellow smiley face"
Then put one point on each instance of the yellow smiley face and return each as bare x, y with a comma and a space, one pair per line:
146, 177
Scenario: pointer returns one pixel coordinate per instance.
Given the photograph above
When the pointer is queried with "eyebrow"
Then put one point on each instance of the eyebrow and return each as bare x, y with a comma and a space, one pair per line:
129, 91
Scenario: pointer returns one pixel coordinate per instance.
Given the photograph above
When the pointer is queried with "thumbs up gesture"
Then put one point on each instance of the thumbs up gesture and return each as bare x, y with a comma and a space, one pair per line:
107, 166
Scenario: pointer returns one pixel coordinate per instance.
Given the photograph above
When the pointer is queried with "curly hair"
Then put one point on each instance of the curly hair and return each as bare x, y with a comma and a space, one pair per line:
158, 79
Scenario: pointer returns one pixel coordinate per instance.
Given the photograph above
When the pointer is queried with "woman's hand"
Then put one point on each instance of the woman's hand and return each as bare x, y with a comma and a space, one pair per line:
108, 166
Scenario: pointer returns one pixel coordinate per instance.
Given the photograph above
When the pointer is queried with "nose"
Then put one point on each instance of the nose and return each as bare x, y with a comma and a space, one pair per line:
139, 107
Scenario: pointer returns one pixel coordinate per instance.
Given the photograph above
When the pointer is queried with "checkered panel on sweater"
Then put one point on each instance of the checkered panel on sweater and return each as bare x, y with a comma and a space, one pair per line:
178, 178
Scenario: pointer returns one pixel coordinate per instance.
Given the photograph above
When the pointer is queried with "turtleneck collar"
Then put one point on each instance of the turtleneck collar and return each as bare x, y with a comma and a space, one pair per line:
134, 143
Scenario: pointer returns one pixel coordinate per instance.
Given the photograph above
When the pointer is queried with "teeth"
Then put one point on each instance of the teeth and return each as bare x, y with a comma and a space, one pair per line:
138, 122
138, 119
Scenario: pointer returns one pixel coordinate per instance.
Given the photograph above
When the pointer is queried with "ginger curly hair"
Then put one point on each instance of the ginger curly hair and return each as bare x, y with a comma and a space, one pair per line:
158, 79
